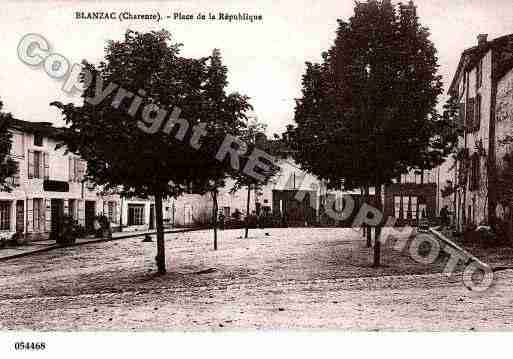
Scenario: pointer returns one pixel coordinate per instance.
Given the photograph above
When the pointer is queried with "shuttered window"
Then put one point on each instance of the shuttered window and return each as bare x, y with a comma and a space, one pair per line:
77, 169
38, 164
475, 172
477, 122
461, 113
5, 215
469, 121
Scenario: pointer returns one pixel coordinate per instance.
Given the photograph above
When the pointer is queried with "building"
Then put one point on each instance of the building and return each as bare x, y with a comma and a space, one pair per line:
292, 194
503, 130
49, 184
480, 87
412, 197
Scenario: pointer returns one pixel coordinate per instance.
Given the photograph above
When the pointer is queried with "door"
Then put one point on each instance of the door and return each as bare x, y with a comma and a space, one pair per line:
90, 212
152, 216
20, 216
57, 210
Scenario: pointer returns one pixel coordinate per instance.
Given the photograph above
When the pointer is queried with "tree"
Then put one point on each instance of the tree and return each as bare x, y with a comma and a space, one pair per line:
8, 167
123, 130
250, 135
368, 111
225, 114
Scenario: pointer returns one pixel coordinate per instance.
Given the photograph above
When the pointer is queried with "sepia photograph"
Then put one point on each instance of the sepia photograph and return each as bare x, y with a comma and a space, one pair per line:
293, 176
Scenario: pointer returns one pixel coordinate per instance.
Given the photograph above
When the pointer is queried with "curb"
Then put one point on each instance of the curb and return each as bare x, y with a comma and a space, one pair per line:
447, 241
100, 240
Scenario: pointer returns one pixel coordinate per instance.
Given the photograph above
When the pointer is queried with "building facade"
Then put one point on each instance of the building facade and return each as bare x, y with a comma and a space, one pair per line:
481, 91
49, 184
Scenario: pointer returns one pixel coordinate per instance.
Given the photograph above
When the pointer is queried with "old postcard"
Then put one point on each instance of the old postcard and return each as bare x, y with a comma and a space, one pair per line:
230, 168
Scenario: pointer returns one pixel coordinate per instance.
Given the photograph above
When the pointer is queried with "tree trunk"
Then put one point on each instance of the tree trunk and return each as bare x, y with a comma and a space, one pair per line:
161, 251
362, 196
246, 230
214, 217
377, 231
367, 227
510, 224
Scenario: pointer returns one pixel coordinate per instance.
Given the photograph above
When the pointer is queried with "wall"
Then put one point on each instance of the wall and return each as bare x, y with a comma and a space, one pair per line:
504, 124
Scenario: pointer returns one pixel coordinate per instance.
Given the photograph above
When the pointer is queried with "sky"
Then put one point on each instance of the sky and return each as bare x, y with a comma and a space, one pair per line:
265, 59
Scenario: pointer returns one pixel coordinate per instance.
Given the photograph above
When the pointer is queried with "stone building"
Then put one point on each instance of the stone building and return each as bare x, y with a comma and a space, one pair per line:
503, 131
480, 88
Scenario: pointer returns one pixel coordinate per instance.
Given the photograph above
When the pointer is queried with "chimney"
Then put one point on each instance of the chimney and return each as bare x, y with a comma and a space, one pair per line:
482, 39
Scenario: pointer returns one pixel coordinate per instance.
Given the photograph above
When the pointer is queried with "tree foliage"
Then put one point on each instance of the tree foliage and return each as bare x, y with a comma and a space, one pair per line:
141, 154
368, 111
251, 135
8, 167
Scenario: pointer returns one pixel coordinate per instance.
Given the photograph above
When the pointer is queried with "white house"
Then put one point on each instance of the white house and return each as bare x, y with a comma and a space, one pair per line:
49, 184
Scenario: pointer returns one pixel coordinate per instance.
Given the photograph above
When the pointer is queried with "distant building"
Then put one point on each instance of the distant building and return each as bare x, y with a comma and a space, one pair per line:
412, 198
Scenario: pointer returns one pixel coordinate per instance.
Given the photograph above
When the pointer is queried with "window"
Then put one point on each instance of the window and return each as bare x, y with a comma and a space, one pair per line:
38, 215
77, 169
38, 166
226, 211
477, 122
135, 214
111, 211
5, 215
461, 113
469, 120
406, 203
413, 208
38, 140
397, 206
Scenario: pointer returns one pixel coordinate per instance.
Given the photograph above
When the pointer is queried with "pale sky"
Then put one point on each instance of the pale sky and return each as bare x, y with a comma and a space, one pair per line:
265, 59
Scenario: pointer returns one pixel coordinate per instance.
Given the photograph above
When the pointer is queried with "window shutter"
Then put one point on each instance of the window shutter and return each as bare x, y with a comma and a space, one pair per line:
46, 163
470, 114
46, 215
462, 115
478, 113
30, 164
30, 212
71, 170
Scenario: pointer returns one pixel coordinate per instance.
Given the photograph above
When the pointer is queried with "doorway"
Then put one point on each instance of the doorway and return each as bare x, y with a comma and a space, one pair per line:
90, 212
57, 213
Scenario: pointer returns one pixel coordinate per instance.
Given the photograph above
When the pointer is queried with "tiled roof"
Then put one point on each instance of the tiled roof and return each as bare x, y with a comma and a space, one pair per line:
471, 55
43, 128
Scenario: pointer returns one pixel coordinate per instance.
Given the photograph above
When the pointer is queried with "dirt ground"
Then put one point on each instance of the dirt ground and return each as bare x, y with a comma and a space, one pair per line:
278, 278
